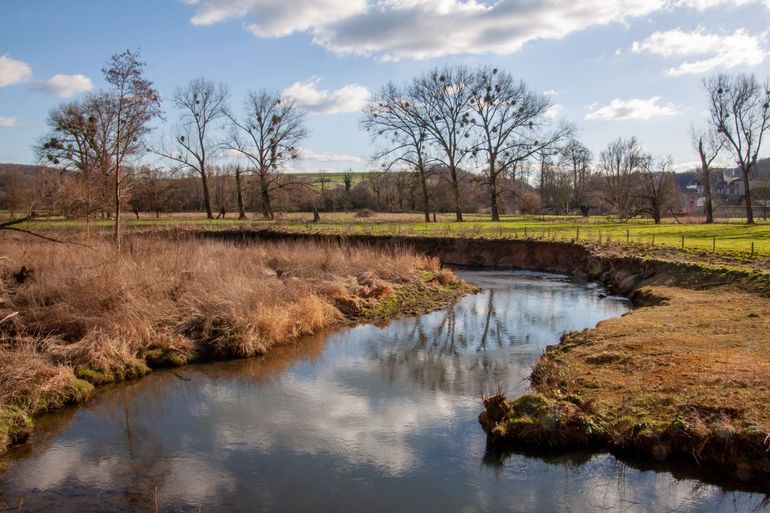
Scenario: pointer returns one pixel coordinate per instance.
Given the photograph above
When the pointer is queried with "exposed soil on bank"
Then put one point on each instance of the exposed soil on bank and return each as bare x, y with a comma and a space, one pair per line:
72, 317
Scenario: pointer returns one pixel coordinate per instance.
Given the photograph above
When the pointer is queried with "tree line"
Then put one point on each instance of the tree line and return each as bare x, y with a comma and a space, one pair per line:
452, 139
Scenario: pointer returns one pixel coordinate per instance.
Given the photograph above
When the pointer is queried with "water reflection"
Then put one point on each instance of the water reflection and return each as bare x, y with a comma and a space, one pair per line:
375, 418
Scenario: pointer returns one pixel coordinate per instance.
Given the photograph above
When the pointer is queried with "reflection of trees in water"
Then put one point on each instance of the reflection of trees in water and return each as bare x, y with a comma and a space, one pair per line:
443, 357
486, 340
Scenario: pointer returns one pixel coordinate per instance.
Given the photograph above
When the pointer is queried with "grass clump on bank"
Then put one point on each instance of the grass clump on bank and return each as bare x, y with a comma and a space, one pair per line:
74, 317
687, 377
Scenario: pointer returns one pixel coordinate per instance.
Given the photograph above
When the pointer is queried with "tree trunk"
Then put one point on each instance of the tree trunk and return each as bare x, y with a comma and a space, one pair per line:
424, 185
239, 194
749, 209
206, 196
116, 233
709, 206
493, 196
456, 195
267, 210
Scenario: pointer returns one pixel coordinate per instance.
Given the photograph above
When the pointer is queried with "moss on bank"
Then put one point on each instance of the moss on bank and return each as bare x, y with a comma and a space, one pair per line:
687, 377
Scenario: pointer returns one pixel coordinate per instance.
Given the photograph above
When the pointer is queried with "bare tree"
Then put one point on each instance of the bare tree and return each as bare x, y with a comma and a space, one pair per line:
509, 119
135, 102
391, 117
441, 99
80, 143
268, 136
619, 162
656, 190
577, 158
739, 108
708, 144
201, 104
153, 191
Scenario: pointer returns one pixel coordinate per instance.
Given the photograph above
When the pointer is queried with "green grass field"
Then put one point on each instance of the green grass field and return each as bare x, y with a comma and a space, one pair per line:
726, 237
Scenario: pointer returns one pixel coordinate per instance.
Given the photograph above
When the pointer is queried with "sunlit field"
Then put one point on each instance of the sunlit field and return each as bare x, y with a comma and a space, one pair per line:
726, 236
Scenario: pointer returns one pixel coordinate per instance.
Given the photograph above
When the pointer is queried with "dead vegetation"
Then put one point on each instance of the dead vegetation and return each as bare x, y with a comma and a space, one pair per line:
688, 377
74, 317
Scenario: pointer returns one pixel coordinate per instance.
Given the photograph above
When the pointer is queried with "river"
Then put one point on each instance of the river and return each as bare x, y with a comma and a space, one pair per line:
376, 418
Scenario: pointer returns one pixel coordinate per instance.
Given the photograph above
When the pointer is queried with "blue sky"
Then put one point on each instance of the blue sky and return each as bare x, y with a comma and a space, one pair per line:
614, 68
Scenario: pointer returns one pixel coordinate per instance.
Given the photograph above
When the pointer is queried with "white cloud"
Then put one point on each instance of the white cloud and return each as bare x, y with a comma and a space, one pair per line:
634, 108
553, 111
65, 86
341, 158
13, 71
307, 95
276, 18
702, 5
709, 51
421, 29
7, 122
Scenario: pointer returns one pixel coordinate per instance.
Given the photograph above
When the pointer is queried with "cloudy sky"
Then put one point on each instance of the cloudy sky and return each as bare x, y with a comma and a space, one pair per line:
613, 67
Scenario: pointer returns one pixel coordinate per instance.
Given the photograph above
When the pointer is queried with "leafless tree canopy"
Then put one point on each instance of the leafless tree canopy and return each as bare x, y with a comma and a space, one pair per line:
268, 135
739, 108
134, 103
201, 104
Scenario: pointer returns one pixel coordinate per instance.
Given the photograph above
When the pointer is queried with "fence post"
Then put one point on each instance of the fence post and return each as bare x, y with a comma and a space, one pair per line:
714, 244
682, 241
752, 249
577, 234
653, 239
628, 235
525, 232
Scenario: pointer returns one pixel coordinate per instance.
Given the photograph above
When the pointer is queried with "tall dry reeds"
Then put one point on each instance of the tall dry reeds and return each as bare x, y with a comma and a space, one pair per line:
81, 311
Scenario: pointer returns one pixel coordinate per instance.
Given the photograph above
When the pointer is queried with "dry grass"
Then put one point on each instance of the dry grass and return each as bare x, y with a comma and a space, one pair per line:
689, 376
77, 312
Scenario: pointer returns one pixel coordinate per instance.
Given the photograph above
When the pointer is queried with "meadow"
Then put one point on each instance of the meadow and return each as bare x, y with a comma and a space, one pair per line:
728, 236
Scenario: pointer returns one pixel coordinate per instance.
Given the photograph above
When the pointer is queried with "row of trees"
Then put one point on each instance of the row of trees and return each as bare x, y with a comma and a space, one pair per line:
94, 137
453, 138
455, 119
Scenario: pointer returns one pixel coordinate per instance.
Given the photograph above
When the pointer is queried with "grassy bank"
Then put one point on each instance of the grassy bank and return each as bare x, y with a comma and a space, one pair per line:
73, 317
727, 238
684, 376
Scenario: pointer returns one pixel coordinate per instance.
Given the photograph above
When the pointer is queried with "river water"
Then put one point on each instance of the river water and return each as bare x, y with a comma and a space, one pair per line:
370, 418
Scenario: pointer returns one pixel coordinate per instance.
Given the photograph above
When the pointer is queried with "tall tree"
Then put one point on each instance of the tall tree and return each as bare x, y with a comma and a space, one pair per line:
136, 103
391, 117
620, 161
509, 121
441, 99
577, 158
268, 136
739, 108
201, 104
